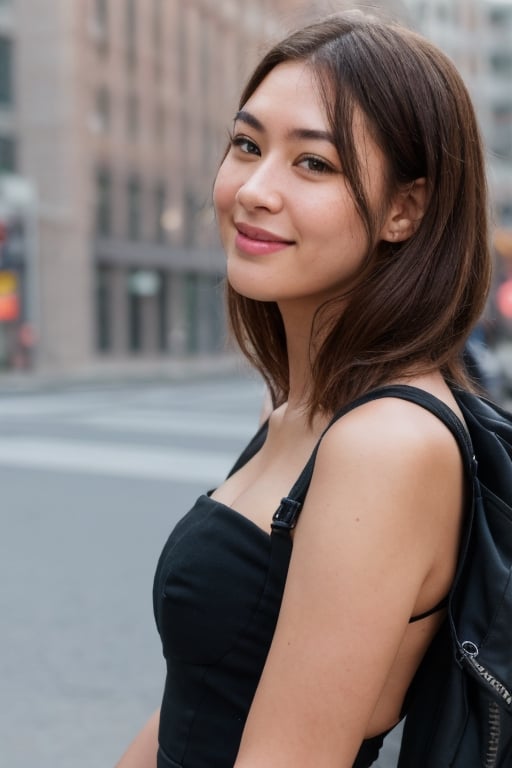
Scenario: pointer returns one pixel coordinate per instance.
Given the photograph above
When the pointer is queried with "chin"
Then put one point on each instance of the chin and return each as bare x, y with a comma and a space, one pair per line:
250, 292
246, 285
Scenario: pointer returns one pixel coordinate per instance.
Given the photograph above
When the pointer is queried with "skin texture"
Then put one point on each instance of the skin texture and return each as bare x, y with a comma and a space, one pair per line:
276, 179
142, 751
377, 538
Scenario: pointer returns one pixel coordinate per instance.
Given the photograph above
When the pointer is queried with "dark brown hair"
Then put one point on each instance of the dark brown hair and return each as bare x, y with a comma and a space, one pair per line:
415, 302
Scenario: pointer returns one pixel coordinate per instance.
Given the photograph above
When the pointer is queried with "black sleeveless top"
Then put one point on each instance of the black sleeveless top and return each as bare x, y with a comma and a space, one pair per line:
216, 597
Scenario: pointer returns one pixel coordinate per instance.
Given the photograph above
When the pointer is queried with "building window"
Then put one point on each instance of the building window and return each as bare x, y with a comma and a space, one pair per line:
506, 214
101, 14
103, 203
158, 26
192, 312
501, 63
134, 325
163, 313
6, 71
99, 26
160, 123
104, 309
502, 138
160, 203
499, 16
182, 46
134, 208
131, 34
102, 116
132, 116
8, 154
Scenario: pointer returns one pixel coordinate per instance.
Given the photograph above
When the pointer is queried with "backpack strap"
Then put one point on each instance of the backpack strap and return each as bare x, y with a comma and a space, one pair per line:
286, 516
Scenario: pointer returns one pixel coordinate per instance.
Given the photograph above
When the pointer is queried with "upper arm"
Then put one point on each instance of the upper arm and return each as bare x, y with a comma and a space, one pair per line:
366, 541
142, 752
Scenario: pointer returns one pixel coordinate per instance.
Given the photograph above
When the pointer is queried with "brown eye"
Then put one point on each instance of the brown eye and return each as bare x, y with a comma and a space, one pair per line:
316, 164
245, 145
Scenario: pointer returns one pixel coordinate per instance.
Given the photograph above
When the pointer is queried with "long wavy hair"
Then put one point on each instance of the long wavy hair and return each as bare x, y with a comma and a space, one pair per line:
415, 302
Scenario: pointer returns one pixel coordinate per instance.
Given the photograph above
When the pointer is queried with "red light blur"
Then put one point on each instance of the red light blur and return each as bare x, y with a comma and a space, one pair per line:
504, 298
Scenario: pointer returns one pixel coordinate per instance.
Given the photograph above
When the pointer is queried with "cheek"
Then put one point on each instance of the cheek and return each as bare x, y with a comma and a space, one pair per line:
224, 191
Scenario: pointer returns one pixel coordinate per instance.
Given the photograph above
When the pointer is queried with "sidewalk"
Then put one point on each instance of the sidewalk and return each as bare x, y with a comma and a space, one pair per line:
111, 374
105, 374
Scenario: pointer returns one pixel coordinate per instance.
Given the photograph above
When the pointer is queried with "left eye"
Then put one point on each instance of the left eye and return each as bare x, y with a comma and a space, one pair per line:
245, 145
315, 164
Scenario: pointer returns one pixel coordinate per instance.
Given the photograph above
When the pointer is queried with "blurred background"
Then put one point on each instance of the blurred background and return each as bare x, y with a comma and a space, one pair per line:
120, 398
113, 117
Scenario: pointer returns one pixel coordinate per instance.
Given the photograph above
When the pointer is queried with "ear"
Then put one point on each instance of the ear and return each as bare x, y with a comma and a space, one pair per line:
405, 212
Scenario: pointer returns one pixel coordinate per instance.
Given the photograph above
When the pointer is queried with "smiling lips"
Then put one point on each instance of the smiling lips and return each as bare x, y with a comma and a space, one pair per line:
258, 242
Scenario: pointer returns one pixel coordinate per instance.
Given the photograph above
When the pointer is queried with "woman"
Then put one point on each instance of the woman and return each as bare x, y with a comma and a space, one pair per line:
351, 205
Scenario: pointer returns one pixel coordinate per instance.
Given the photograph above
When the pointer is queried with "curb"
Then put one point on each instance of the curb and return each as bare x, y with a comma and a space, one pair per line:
115, 375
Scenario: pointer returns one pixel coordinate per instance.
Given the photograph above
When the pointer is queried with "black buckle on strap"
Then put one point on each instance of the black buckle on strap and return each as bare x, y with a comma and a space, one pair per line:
285, 516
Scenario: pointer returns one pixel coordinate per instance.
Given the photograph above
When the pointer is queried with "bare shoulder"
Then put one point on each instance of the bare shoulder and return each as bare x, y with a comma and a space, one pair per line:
395, 470
392, 432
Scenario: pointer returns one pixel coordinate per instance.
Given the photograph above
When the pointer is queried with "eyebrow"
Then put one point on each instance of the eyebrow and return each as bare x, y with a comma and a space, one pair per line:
295, 133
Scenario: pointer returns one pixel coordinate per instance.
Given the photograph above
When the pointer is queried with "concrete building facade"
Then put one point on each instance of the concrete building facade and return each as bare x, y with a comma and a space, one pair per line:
477, 35
115, 111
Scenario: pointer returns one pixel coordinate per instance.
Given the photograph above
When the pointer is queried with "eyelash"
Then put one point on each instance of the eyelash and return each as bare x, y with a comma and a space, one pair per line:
325, 166
240, 141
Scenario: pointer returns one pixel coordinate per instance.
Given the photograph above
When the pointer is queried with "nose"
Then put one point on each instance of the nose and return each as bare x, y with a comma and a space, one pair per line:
261, 189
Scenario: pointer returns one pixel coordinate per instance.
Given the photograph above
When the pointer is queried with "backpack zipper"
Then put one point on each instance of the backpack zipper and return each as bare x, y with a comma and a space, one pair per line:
494, 733
469, 653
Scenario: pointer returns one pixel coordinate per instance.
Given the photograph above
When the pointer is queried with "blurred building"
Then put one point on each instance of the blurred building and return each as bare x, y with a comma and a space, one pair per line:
116, 111
477, 35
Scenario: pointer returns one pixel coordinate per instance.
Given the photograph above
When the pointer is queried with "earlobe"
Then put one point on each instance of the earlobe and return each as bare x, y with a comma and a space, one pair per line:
406, 212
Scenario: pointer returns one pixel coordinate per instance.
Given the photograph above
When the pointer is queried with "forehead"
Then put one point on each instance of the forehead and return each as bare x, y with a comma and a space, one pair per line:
290, 90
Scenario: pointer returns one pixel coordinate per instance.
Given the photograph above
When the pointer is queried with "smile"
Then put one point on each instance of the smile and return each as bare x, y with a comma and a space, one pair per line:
256, 241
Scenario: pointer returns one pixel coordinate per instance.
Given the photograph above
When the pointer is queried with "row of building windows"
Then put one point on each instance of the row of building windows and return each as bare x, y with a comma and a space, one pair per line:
101, 29
103, 114
498, 14
135, 205
143, 311
501, 137
501, 63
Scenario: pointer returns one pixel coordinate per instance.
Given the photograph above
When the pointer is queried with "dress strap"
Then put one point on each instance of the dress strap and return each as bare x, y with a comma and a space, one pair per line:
439, 607
286, 516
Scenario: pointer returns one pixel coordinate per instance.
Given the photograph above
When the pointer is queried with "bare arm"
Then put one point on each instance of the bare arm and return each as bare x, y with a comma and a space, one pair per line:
375, 543
142, 751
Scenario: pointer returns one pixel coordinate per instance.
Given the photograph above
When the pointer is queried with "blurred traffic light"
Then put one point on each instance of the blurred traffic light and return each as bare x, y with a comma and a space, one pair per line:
504, 299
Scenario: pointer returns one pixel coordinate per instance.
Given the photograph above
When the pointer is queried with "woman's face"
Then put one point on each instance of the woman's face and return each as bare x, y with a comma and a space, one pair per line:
287, 220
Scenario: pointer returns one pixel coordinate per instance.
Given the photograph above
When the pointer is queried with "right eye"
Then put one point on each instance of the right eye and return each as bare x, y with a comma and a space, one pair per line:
245, 145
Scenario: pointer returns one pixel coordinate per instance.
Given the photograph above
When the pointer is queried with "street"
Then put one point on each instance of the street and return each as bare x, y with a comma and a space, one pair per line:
92, 482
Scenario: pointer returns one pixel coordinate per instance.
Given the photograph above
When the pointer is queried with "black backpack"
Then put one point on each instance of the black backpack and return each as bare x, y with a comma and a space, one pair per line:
459, 706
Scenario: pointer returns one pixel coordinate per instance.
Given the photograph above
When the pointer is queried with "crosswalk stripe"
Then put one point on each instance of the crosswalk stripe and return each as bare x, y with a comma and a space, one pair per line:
170, 464
193, 424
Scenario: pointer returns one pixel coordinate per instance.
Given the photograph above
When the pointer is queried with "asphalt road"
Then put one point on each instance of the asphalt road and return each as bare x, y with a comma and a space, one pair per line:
91, 484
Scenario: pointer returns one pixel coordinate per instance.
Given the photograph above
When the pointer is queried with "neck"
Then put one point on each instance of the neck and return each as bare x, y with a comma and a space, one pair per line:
298, 324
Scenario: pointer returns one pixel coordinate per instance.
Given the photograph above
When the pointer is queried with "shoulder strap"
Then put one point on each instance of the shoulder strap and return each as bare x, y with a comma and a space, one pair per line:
251, 449
287, 513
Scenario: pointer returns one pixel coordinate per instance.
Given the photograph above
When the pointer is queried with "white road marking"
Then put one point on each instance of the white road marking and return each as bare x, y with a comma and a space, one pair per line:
183, 423
170, 464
